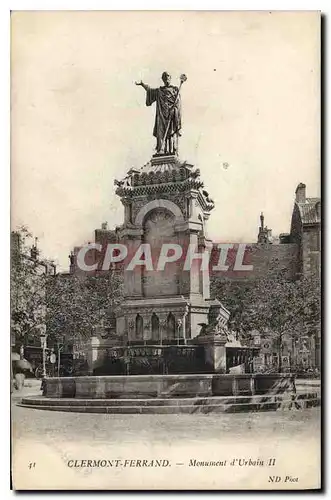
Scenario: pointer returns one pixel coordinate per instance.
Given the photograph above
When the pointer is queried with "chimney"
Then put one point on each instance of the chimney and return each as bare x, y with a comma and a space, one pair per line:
264, 235
262, 220
300, 193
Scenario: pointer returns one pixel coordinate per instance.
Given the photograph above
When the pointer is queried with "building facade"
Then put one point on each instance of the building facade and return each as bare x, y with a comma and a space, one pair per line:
306, 231
28, 292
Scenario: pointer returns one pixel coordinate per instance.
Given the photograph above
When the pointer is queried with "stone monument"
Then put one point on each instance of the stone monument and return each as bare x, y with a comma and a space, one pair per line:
165, 202
167, 321
167, 317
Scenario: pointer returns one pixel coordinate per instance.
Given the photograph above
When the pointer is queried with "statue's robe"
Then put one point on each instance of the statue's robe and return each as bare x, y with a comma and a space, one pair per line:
167, 107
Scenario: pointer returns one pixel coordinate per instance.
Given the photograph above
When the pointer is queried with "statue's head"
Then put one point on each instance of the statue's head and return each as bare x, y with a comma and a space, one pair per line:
166, 78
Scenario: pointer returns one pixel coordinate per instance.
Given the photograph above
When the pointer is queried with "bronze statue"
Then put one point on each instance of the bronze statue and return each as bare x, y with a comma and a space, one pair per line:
168, 120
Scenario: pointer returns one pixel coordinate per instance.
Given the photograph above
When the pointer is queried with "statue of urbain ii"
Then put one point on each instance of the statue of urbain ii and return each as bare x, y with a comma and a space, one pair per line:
168, 116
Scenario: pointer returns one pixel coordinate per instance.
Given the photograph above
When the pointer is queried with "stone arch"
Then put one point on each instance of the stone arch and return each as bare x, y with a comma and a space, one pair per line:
139, 327
152, 205
155, 327
159, 229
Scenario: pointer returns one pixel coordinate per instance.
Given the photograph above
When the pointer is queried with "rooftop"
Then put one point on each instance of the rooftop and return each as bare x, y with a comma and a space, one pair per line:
310, 211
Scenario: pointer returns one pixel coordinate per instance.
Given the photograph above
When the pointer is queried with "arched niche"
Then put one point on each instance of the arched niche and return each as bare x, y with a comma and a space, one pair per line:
157, 204
139, 327
159, 229
155, 327
171, 326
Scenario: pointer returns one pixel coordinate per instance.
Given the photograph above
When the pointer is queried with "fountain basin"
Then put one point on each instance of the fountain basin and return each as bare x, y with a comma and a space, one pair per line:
167, 386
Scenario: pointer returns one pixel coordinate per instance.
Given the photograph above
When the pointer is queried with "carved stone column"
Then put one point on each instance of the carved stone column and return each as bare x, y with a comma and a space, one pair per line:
163, 327
127, 210
131, 328
193, 198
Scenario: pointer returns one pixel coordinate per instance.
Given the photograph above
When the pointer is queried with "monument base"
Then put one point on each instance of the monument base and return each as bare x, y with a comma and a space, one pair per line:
163, 386
172, 394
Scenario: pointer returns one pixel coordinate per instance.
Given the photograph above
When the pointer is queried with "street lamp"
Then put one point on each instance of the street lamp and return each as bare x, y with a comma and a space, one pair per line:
59, 349
43, 340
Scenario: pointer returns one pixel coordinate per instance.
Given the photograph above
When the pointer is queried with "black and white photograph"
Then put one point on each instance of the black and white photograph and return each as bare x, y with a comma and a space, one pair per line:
165, 250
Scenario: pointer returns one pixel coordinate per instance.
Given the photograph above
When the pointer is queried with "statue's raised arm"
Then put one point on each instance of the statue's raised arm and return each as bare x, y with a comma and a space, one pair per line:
167, 125
142, 84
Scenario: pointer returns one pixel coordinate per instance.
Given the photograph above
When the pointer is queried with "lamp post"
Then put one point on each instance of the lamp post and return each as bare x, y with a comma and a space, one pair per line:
280, 363
59, 349
43, 340
186, 311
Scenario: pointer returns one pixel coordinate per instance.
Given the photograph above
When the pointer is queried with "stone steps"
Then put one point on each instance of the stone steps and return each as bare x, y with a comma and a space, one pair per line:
213, 400
174, 405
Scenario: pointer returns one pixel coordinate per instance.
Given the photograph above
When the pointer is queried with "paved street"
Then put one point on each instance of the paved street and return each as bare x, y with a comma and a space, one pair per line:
295, 424
279, 425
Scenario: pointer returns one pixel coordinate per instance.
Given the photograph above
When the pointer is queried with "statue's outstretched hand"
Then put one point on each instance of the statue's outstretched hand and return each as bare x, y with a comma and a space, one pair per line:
139, 83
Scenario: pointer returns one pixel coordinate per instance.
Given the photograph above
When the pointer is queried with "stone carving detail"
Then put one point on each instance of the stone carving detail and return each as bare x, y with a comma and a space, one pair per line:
181, 202
160, 223
136, 206
131, 324
163, 323
218, 328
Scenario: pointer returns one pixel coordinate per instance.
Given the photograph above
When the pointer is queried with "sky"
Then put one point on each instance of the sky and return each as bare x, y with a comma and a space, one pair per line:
251, 101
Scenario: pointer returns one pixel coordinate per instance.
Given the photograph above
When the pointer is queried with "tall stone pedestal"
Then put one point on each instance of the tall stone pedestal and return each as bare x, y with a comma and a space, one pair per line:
215, 352
164, 205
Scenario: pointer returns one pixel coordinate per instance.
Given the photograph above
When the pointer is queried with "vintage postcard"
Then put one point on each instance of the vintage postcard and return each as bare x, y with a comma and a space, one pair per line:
165, 250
